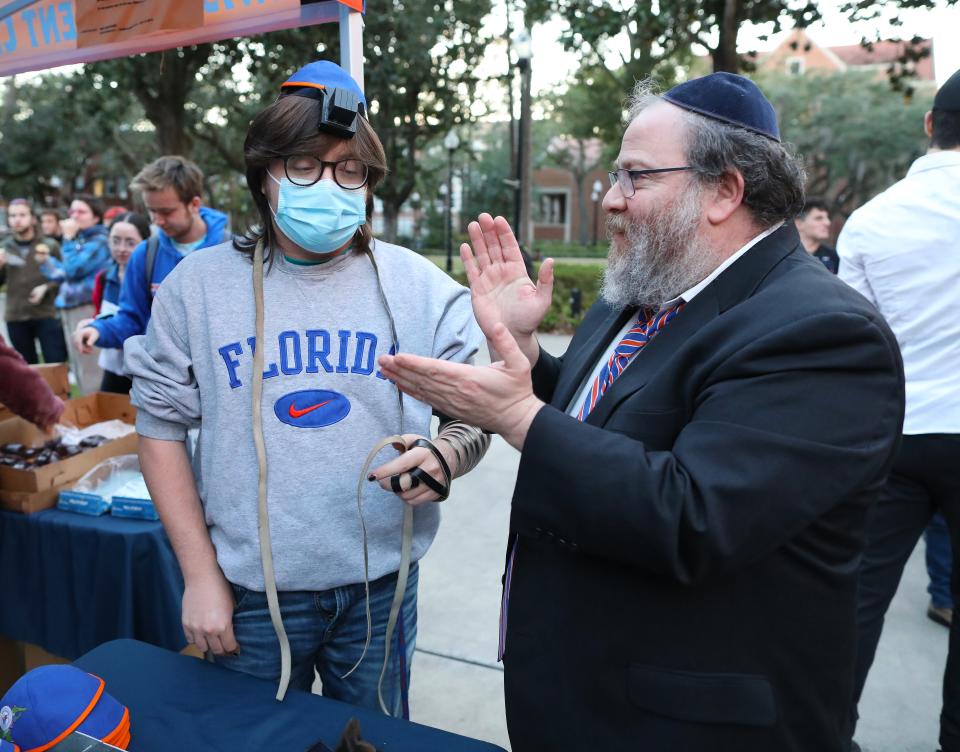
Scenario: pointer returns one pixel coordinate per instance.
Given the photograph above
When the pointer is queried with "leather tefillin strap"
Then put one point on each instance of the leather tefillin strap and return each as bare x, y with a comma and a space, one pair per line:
418, 475
469, 443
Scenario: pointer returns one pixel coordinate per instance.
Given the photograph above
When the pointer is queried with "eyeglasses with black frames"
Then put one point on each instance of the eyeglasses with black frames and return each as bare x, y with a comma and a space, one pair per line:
305, 170
628, 180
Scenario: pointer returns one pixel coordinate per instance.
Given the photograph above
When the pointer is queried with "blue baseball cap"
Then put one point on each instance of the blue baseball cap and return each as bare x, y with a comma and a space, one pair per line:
6, 746
729, 98
321, 75
341, 98
50, 702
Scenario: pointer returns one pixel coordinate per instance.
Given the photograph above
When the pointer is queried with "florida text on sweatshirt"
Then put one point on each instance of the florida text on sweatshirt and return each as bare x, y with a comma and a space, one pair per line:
325, 403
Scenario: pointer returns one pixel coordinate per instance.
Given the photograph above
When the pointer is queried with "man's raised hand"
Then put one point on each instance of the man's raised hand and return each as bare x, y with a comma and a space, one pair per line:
501, 290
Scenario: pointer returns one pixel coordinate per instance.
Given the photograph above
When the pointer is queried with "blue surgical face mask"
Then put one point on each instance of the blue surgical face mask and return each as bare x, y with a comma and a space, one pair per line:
319, 218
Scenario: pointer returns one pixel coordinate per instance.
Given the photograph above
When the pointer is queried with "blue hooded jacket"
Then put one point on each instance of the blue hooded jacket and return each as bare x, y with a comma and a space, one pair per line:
136, 296
83, 257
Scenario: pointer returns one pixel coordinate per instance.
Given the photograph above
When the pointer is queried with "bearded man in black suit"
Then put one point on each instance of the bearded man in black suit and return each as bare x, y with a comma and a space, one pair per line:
697, 469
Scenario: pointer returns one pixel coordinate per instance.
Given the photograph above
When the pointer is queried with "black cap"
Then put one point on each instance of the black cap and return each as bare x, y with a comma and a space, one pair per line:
729, 98
948, 96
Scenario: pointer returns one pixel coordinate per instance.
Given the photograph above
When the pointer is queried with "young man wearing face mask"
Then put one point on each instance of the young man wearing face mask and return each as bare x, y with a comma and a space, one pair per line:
333, 299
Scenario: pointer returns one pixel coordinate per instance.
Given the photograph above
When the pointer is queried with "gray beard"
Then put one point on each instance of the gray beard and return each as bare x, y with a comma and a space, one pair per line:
662, 258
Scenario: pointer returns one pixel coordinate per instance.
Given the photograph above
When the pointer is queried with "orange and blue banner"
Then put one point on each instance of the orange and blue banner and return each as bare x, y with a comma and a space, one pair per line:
47, 33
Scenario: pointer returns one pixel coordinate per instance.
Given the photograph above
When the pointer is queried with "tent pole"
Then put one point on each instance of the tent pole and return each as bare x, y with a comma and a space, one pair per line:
13, 6
351, 43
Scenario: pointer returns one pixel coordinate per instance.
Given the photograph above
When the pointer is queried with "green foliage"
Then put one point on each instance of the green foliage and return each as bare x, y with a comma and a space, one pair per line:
660, 36
855, 134
656, 33
586, 278
575, 113
165, 85
420, 60
559, 249
57, 124
484, 173
566, 277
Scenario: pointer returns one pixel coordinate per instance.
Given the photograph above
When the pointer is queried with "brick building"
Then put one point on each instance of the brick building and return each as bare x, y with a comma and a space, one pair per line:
799, 54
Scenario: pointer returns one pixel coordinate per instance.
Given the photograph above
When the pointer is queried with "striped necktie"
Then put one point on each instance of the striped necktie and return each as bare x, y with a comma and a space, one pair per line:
644, 330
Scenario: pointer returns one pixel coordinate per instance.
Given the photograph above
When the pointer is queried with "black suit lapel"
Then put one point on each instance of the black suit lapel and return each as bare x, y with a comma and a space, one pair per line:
649, 360
734, 285
577, 364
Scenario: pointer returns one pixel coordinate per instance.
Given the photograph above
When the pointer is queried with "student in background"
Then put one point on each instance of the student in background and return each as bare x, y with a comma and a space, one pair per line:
85, 253
127, 231
30, 314
171, 188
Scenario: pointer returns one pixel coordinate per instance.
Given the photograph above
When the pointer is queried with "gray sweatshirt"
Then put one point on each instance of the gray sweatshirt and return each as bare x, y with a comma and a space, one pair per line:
325, 404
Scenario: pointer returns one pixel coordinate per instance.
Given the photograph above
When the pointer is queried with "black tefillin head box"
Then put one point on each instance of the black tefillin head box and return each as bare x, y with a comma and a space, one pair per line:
338, 112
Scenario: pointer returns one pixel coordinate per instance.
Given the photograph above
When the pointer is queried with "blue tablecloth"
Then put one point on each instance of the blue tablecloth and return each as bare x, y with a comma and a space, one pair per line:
181, 703
69, 582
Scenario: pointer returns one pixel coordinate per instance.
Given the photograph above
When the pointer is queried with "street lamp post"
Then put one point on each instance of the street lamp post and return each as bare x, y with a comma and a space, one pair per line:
415, 205
450, 142
521, 212
595, 197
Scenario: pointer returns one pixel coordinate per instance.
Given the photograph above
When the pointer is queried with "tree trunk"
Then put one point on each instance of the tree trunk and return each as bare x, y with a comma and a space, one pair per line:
172, 135
390, 212
168, 81
725, 57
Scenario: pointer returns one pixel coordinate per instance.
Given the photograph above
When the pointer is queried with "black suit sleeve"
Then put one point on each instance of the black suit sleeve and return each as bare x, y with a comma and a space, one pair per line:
782, 431
545, 374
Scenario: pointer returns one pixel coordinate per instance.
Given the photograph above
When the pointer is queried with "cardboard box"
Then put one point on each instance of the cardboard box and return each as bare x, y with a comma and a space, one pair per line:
56, 375
31, 490
28, 502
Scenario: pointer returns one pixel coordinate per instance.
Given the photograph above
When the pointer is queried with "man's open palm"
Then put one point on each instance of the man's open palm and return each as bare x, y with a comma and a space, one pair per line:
502, 291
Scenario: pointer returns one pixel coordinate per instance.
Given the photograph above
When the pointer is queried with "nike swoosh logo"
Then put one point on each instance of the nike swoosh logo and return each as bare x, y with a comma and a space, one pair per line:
295, 413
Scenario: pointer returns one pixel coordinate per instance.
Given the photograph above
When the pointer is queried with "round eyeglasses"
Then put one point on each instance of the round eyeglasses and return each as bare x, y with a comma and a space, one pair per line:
304, 170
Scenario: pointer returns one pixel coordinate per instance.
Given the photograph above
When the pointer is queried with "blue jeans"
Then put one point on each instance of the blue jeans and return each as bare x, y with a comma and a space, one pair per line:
25, 334
327, 630
939, 562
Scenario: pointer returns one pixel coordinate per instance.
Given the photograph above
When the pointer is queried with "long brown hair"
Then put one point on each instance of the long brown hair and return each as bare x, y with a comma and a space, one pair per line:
287, 127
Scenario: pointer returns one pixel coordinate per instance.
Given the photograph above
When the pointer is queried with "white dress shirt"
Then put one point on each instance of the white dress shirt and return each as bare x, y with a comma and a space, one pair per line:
574, 407
901, 251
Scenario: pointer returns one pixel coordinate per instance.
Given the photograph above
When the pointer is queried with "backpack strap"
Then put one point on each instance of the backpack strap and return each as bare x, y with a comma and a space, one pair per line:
98, 285
152, 245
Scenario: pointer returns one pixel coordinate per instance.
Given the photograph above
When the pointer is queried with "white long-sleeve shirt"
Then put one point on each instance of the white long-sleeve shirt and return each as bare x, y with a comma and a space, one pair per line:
901, 250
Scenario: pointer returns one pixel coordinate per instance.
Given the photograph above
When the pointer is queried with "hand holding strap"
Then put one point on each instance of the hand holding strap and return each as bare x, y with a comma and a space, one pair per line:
442, 489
